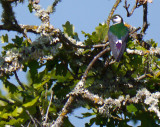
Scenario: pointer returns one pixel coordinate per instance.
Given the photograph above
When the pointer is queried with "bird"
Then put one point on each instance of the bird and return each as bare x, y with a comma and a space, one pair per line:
118, 35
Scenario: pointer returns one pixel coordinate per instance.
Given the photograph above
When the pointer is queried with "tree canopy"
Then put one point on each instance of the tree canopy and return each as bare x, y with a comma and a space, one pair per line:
65, 73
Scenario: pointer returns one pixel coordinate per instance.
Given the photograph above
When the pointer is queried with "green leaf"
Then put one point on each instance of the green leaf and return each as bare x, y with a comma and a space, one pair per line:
31, 103
39, 85
152, 43
149, 75
158, 74
92, 121
18, 41
11, 87
4, 38
60, 90
101, 32
61, 69
17, 111
33, 65
9, 46
87, 114
99, 35
130, 44
67, 123
15, 122
30, 7
131, 108
69, 30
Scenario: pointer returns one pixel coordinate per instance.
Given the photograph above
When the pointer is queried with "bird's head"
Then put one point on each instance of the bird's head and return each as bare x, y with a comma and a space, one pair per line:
116, 19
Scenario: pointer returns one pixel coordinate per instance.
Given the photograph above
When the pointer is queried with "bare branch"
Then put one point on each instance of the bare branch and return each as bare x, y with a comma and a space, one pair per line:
135, 30
93, 61
46, 117
141, 77
55, 4
126, 6
31, 118
145, 22
112, 11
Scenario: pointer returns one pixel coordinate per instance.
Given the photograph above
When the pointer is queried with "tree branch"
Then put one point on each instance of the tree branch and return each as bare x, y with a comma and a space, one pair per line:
55, 4
126, 6
31, 118
145, 22
22, 86
46, 117
142, 53
112, 11
108, 105
65, 110
93, 61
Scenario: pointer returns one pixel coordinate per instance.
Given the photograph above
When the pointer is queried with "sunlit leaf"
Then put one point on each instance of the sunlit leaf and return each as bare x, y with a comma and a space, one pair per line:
69, 30
31, 103
17, 111
4, 38
149, 75
131, 108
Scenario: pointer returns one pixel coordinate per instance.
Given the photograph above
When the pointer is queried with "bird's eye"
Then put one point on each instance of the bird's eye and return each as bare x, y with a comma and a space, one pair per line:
115, 17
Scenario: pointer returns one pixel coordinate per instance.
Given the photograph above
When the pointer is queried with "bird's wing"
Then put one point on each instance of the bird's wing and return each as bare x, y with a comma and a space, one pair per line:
124, 42
112, 42
117, 45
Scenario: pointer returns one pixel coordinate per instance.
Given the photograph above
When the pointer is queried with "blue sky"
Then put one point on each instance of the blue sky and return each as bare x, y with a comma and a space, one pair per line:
86, 15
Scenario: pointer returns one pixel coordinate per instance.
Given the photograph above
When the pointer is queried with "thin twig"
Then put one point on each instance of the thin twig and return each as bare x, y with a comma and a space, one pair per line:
126, 6
135, 30
31, 118
93, 61
22, 86
29, 124
112, 11
141, 77
55, 4
46, 117
145, 22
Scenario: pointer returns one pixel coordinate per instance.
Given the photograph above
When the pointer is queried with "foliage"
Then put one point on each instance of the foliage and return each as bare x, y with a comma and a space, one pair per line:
52, 79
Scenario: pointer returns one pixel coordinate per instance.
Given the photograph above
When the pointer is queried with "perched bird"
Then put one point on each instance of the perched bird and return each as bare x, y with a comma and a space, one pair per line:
118, 35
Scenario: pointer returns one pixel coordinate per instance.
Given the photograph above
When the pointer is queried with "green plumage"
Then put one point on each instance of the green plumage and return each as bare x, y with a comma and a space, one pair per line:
119, 30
